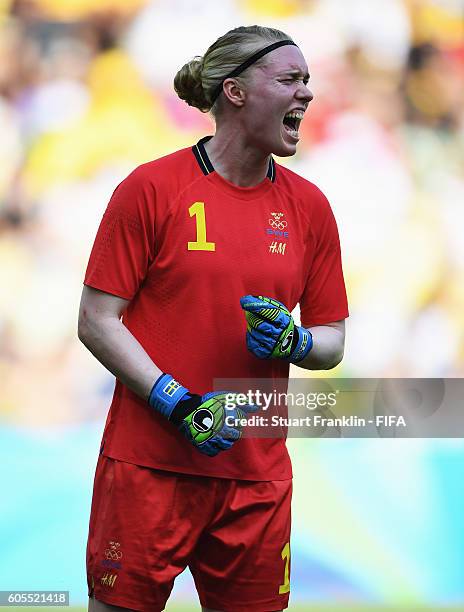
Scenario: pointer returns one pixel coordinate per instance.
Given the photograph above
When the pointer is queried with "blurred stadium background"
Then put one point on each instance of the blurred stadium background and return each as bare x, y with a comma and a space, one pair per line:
85, 95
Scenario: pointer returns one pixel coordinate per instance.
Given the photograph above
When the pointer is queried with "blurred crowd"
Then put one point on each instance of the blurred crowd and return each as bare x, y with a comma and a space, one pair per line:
86, 95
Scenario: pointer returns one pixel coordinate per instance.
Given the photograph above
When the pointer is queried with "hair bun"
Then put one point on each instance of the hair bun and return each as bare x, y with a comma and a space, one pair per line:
188, 85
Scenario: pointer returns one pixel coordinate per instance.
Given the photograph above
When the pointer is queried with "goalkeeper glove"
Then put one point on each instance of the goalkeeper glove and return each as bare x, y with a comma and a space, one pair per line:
271, 330
201, 419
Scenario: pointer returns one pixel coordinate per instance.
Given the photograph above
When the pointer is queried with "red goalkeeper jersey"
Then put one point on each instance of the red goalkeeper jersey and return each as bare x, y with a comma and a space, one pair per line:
184, 245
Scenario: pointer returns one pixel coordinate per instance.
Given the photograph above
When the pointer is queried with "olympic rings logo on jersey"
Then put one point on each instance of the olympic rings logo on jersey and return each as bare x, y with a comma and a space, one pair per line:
280, 225
277, 222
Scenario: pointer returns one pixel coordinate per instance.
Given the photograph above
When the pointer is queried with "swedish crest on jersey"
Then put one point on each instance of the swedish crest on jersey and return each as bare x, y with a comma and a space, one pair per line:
278, 231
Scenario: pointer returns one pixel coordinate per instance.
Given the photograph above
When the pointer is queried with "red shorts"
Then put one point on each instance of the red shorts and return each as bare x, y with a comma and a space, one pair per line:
147, 526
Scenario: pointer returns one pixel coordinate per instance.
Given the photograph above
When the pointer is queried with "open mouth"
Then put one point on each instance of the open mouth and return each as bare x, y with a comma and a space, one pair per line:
292, 122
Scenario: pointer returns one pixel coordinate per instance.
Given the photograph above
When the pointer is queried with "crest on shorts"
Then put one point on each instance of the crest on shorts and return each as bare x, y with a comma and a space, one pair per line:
113, 555
113, 551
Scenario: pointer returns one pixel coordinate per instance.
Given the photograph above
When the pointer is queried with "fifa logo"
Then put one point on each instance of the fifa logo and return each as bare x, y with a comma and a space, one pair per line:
277, 222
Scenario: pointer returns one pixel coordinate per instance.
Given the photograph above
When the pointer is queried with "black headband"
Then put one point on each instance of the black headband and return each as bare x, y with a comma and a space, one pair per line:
251, 60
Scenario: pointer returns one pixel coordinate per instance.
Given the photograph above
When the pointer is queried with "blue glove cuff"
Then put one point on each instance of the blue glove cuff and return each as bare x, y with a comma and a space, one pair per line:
303, 346
166, 393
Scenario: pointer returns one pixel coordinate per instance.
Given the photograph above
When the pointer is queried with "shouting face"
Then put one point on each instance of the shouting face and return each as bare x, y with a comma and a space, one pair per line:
277, 97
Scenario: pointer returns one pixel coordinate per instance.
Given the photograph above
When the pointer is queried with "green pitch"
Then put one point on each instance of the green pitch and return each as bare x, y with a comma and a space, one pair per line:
310, 608
296, 608
316, 608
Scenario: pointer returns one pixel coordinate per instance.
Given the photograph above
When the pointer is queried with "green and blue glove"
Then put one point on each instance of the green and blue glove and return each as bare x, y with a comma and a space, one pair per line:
271, 330
200, 418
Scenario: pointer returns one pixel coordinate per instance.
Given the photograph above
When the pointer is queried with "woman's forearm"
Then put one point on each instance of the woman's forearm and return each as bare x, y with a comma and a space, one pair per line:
120, 352
328, 347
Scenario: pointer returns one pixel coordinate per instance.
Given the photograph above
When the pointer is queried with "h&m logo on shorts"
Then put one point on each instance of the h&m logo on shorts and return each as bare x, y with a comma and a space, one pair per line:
108, 579
171, 388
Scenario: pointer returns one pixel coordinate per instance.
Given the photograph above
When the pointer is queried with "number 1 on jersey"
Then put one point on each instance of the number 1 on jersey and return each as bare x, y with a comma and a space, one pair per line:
201, 244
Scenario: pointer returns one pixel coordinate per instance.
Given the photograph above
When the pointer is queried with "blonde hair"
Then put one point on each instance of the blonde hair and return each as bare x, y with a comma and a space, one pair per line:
197, 80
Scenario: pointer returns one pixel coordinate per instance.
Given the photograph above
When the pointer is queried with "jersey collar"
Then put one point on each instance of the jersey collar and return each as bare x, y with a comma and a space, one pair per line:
207, 167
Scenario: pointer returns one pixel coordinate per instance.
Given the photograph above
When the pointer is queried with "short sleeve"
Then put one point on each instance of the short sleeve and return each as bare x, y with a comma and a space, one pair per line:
324, 297
124, 246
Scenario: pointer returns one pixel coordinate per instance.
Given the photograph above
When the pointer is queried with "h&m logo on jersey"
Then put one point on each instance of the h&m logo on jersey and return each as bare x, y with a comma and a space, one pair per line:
277, 247
277, 229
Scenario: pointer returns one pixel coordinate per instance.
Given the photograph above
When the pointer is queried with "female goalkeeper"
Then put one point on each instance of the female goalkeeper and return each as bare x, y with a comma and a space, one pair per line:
199, 260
